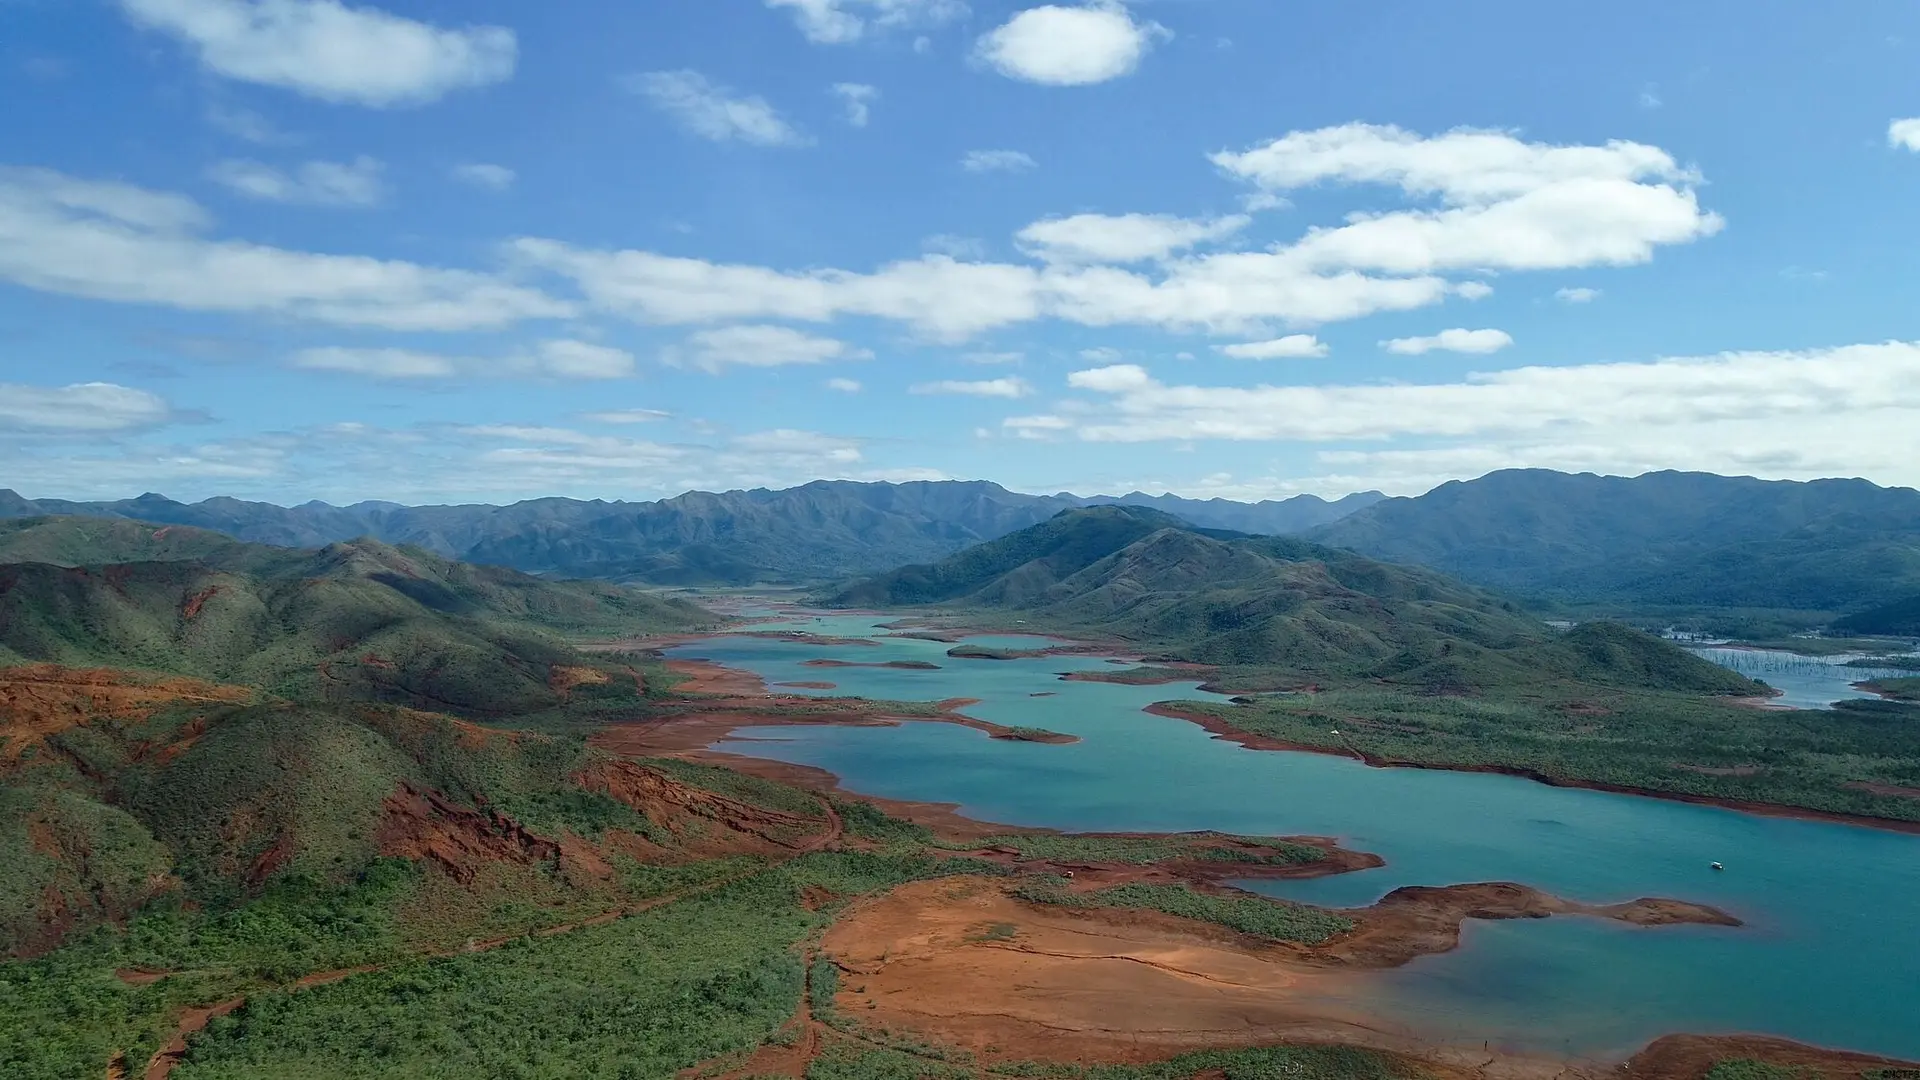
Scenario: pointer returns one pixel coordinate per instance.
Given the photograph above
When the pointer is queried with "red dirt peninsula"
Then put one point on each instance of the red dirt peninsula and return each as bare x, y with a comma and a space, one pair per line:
963, 962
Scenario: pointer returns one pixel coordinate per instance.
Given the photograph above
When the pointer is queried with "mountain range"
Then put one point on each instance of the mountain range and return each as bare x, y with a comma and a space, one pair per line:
1663, 538
819, 531
1226, 598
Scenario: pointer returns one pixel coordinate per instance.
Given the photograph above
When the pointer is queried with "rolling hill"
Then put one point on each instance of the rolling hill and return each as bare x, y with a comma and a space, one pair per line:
818, 531
1667, 538
1232, 599
359, 621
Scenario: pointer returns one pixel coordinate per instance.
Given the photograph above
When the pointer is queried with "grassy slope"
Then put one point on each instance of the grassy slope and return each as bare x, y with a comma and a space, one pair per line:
357, 621
1289, 609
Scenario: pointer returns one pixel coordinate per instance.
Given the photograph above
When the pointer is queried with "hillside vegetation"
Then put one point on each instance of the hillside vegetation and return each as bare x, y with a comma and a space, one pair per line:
352, 621
817, 531
1282, 604
1666, 538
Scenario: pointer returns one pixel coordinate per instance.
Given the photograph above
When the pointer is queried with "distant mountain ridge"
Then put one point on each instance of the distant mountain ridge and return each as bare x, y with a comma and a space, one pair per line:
1662, 538
819, 531
1233, 599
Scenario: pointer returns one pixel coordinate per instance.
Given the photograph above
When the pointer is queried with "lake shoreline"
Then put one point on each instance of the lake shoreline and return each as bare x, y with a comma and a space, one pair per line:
1222, 729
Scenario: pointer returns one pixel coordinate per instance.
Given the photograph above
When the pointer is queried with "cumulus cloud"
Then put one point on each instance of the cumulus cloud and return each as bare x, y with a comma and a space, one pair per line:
1124, 238
1587, 402
1291, 347
117, 242
981, 161
1506, 204
331, 51
485, 176
556, 359
1576, 295
1069, 46
841, 22
713, 111
858, 98
82, 408
844, 386
1904, 133
994, 388
316, 183
758, 346
1455, 340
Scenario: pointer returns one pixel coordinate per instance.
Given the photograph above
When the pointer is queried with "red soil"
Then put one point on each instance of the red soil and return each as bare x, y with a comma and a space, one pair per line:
38, 700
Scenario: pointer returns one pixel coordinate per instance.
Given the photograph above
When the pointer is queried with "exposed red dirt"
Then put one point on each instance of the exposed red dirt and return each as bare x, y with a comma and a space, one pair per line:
562, 679
1690, 1057
744, 827
38, 700
809, 685
1221, 729
197, 601
962, 962
707, 677
425, 825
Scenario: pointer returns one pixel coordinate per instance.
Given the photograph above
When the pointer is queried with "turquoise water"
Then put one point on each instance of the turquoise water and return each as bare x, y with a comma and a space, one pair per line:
1831, 954
1804, 682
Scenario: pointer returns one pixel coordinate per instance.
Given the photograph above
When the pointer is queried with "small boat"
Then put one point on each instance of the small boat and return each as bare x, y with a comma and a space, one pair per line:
1717, 866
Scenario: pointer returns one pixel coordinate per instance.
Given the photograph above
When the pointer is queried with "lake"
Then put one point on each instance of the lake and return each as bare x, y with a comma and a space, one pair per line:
1831, 954
1804, 682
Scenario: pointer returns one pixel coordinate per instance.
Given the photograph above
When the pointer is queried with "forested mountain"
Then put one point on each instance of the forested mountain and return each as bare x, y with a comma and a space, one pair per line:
357, 621
1229, 598
818, 531
1664, 538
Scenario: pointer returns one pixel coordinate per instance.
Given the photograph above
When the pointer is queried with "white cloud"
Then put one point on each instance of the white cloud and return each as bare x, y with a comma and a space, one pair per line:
482, 175
1125, 238
378, 363
844, 386
994, 388
1291, 347
858, 99
117, 242
555, 359
1577, 295
316, 183
1506, 204
981, 161
712, 111
840, 22
1040, 427
1650, 97
1509, 206
328, 50
993, 357
759, 346
1587, 402
1455, 340
1904, 133
1100, 354
82, 408
627, 416
1069, 46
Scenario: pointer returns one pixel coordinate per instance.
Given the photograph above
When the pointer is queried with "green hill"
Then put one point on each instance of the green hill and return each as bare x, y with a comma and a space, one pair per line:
1247, 601
78, 541
357, 621
1898, 619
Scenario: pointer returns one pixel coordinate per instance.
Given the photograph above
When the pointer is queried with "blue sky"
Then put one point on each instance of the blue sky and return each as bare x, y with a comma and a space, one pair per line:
439, 251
